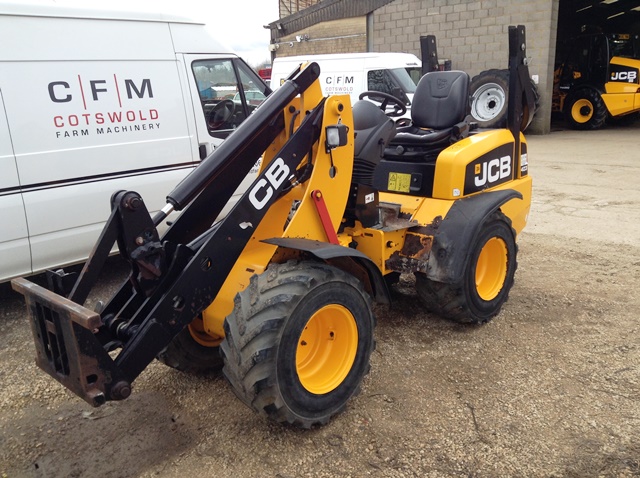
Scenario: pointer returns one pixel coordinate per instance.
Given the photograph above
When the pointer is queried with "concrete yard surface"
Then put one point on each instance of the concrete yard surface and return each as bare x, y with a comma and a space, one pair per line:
549, 388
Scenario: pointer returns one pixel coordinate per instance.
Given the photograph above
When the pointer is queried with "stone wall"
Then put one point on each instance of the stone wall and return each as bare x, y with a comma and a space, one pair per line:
348, 35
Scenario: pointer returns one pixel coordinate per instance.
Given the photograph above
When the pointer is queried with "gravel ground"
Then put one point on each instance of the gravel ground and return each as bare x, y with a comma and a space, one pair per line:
548, 388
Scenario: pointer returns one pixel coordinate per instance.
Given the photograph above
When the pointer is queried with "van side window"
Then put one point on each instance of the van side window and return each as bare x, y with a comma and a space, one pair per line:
253, 92
229, 90
380, 80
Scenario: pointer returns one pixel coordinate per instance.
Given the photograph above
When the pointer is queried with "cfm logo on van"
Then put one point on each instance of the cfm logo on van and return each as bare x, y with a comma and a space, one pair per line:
489, 170
102, 106
624, 74
339, 84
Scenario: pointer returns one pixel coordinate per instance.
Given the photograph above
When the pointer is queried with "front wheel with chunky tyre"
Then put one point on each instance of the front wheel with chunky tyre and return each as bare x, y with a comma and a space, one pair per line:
486, 281
298, 342
584, 109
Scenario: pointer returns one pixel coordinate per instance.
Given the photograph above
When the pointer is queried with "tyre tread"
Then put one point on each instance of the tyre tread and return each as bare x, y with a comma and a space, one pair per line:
600, 112
449, 301
253, 330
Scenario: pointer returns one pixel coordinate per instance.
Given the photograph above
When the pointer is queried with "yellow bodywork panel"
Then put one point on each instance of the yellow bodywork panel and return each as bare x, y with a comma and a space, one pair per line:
376, 244
424, 210
625, 81
619, 88
518, 209
623, 95
451, 163
493, 173
279, 220
621, 103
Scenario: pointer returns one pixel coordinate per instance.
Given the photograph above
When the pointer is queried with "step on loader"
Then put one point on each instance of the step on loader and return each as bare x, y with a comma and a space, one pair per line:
279, 293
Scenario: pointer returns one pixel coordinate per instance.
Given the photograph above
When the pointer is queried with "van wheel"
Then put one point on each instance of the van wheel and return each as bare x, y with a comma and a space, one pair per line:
298, 342
486, 281
585, 110
193, 350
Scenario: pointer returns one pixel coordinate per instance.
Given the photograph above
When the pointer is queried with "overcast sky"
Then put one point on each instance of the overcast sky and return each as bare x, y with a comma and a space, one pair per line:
237, 23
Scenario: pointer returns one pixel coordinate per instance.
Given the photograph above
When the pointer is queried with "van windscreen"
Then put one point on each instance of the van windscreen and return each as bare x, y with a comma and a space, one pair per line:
407, 78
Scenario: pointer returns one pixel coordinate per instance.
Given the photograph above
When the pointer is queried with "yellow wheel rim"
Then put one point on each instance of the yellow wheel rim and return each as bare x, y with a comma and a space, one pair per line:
196, 329
491, 268
582, 111
326, 349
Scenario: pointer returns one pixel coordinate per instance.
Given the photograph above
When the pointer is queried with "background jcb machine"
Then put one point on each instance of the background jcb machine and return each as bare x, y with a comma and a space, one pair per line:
598, 77
280, 291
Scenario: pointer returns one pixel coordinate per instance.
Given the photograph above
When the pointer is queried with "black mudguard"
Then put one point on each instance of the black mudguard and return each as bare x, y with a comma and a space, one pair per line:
331, 252
458, 230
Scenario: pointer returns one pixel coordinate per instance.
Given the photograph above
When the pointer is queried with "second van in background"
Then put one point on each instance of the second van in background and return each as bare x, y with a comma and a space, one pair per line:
353, 73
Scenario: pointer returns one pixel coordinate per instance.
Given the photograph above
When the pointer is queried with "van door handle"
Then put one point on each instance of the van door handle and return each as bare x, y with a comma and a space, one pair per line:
203, 150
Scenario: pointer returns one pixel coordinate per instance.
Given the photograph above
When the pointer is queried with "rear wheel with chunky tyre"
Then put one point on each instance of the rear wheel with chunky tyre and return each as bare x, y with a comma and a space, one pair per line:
486, 281
298, 342
584, 109
193, 351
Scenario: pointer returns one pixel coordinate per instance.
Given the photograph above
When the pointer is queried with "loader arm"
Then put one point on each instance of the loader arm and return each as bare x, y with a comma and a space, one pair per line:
175, 278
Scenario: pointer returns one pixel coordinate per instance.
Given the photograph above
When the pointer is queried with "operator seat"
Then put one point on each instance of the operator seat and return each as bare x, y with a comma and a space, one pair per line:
373, 131
439, 117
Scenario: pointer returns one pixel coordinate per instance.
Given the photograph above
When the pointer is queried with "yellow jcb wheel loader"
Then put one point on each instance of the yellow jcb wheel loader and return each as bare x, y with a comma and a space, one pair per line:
597, 79
280, 291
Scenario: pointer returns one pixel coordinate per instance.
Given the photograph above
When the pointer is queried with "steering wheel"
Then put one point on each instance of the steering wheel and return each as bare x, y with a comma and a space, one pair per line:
399, 108
220, 114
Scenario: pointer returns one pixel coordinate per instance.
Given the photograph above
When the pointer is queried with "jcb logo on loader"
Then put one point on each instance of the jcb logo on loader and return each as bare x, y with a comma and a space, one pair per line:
626, 76
491, 169
275, 175
629, 76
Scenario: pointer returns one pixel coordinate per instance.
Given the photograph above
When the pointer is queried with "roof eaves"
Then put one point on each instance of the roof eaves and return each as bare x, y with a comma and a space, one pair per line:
323, 11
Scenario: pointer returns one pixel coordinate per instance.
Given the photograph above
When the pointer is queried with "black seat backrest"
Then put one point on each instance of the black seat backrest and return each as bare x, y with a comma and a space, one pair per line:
373, 129
441, 99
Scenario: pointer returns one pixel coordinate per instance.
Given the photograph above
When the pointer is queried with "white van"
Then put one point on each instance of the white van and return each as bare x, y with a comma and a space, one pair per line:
352, 73
95, 101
